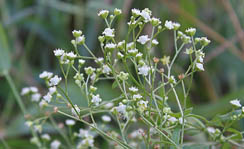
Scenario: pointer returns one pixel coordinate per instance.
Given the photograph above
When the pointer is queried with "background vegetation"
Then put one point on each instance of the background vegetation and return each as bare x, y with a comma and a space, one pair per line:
31, 29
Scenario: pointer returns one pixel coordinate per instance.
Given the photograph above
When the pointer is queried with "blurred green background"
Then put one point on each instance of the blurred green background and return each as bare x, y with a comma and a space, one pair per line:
31, 29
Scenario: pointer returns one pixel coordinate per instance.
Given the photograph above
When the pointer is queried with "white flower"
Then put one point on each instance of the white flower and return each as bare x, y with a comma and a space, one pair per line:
110, 46
77, 33
146, 15
25, 91
143, 39
106, 118
171, 25
191, 31
29, 123
137, 96
55, 80
109, 105
136, 12
120, 55
130, 45
236, 103
33, 89
35, 97
70, 122
46, 137
103, 13
74, 110
47, 97
52, 90
96, 99
133, 51
108, 32
121, 108
139, 55
142, 105
87, 142
43, 103
133, 89
71, 55
80, 40
55, 144
211, 130
106, 69
58, 52
100, 60
81, 61
93, 76
83, 133
172, 119
144, 70
200, 66
155, 42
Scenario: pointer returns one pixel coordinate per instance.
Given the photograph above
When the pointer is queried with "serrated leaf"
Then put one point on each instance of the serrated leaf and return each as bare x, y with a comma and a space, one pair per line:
4, 52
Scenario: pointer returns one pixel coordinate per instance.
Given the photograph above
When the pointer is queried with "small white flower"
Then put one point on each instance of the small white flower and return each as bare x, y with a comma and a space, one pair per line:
77, 33
133, 89
191, 31
58, 52
81, 62
146, 15
74, 110
139, 55
110, 46
211, 130
106, 69
71, 55
55, 80
142, 105
83, 133
136, 12
45, 75
171, 25
35, 97
172, 119
43, 103
100, 60
52, 90
130, 45
55, 144
108, 32
87, 142
45, 137
200, 66
29, 123
70, 122
121, 108
80, 40
155, 42
25, 91
93, 76
133, 51
96, 99
120, 55
137, 97
103, 13
47, 97
109, 105
106, 118
143, 39
33, 89
144, 70
236, 102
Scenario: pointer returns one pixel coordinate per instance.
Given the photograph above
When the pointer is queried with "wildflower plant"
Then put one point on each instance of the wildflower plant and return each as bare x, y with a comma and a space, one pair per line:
144, 92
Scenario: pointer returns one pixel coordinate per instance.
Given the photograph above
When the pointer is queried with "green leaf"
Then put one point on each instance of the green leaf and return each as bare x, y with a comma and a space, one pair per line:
197, 146
4, 52
176, 137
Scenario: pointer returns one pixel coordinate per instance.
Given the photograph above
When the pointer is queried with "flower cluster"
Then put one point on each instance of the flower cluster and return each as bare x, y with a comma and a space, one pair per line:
146, 84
